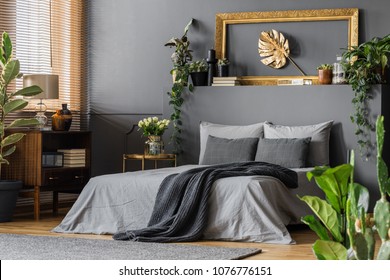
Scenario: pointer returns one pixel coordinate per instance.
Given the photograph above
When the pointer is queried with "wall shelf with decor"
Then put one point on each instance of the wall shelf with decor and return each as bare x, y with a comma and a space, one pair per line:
265, 59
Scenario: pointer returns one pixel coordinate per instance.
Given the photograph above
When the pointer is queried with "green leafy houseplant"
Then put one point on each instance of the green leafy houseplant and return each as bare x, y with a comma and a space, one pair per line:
180, 72
325, 67
11, 70
182, 54
344, 222
332, 211
199, 72
198, 66
365, 65
8, 103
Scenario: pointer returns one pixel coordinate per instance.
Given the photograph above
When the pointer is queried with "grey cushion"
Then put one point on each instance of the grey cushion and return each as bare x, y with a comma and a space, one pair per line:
227, 131
287, 152
319, 144
222, 150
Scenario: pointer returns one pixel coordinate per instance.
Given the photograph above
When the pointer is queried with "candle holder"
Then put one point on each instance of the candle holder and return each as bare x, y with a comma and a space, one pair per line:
211, 61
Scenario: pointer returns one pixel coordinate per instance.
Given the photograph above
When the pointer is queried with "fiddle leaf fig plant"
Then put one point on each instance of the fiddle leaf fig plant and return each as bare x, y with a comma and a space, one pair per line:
10, 70
344, 227
331, 212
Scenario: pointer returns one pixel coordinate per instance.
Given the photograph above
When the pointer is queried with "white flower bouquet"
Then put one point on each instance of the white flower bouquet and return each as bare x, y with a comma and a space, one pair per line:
153, 126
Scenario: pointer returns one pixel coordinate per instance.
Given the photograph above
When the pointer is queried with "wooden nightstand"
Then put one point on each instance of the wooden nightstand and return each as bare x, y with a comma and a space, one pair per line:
142, 158
26, 164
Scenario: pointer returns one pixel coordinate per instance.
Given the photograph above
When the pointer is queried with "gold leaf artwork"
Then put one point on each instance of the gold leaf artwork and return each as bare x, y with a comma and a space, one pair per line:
276, 50
274, 46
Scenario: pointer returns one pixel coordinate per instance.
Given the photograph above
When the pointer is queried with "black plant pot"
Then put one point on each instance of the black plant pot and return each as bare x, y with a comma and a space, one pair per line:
9, 191
199, 78
223, 71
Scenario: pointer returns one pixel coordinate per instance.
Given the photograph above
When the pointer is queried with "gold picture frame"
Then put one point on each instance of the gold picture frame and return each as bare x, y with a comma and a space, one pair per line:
223, 20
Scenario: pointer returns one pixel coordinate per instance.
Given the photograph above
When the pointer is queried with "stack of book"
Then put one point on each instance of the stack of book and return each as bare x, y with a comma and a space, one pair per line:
73, 157
226, 81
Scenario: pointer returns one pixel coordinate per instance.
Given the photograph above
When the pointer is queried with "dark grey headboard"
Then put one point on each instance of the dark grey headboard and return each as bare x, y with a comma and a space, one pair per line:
288, 105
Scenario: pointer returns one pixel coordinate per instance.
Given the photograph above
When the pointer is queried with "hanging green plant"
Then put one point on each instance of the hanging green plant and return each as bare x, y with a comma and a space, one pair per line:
365, 66
180, 72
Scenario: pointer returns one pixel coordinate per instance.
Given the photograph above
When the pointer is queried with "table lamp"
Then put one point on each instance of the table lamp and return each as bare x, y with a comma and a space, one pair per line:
49, 85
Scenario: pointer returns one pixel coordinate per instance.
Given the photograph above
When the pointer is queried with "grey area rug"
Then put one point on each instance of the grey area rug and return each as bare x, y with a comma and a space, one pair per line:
28, 247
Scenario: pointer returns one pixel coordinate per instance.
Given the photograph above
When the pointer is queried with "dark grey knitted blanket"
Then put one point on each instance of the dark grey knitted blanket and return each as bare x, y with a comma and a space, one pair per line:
180, 210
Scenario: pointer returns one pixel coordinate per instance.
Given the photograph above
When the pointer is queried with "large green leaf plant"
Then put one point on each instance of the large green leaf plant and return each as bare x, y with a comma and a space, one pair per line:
10, 70
344, 228
331, 226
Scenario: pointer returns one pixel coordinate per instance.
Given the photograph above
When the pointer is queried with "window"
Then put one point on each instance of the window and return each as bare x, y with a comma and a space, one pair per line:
49, 38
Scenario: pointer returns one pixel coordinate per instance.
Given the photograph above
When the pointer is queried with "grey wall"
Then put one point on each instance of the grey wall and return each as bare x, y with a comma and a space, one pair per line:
129, 66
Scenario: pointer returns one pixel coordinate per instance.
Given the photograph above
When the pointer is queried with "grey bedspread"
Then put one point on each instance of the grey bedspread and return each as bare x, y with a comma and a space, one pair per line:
250, 208
180, 210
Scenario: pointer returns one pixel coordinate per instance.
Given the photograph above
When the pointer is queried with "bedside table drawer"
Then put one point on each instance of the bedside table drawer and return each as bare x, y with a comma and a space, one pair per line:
65, 176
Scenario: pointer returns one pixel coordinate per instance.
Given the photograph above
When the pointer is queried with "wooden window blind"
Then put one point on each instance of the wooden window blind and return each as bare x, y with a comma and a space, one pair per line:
49, 37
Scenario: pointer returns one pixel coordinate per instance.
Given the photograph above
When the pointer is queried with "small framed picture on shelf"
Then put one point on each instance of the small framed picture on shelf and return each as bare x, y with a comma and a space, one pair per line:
52, 159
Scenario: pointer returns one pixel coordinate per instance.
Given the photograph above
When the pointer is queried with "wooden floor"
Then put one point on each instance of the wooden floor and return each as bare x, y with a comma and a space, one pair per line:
300, 251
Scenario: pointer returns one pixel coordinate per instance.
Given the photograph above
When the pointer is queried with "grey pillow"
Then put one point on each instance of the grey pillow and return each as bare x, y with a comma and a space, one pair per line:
287, 152
227, 131
222, 150
319, 144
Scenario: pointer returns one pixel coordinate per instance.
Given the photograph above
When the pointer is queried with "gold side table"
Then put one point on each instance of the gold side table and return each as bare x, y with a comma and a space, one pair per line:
143, 158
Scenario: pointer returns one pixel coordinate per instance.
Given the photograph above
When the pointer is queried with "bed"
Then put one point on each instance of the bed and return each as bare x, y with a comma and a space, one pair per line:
245, 208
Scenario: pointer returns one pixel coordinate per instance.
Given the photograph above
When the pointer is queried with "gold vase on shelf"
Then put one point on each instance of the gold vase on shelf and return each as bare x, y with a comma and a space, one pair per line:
154, 145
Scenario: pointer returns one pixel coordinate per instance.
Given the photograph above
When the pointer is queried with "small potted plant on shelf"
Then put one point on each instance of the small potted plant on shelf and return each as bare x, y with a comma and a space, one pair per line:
223, 67
325, 73
9, 71
198, 71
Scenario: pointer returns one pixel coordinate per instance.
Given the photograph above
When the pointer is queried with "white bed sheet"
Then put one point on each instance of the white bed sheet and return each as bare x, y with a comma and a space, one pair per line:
250, 208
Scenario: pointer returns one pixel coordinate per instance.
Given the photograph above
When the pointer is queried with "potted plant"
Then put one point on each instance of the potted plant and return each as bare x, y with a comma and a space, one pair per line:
325, 73
9, 71
365, 65
223, 67
181, 56
198, 71
180, 71
153, 128
346, 231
